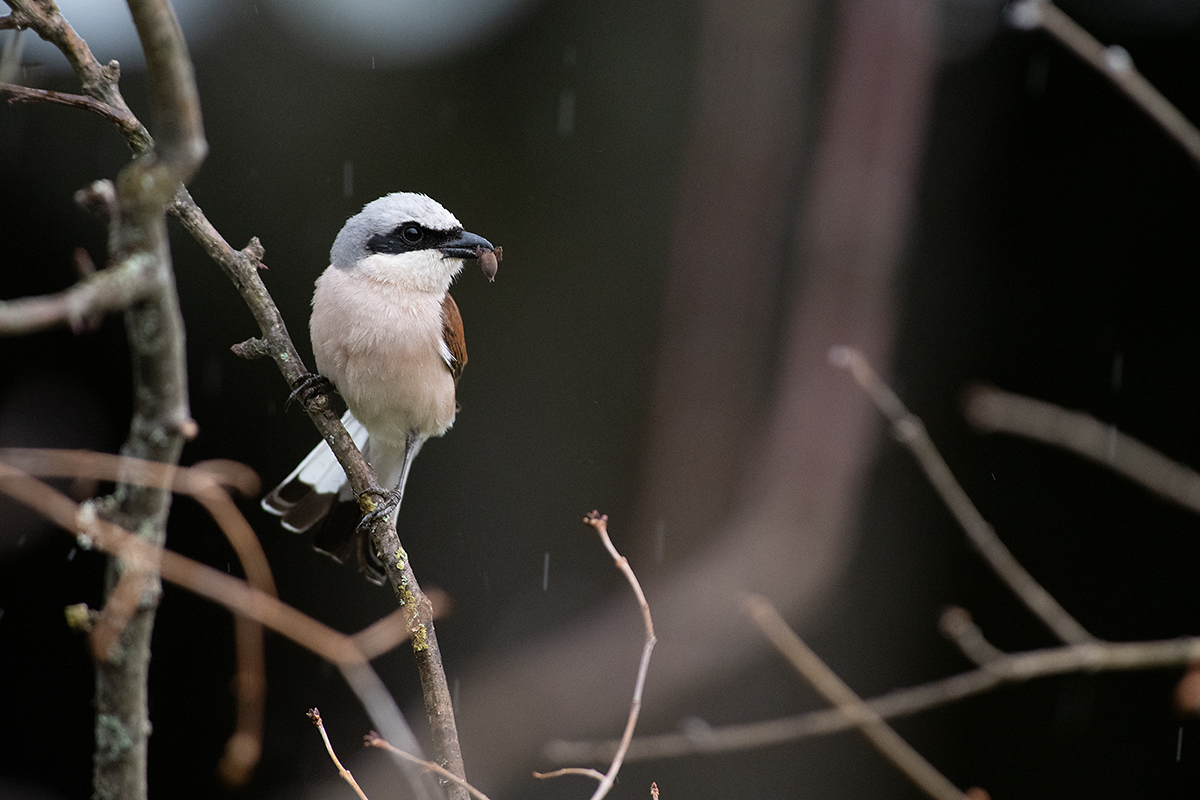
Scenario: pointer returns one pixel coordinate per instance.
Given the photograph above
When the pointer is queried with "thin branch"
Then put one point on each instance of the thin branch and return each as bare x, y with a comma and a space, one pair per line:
1010, 669
315, 716
587, 772
373, 739
910, 432
105, 292
996, 411
885, 739
599, 523
1114, 62
122, 118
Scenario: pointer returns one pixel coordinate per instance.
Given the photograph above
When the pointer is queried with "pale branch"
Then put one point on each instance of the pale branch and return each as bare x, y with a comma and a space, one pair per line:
110, 290
234, 594
910, 432
881, 735
996, 411
241, 266
373, 739
1113, 62
599, 523
315, 716
586, 772
1011, 668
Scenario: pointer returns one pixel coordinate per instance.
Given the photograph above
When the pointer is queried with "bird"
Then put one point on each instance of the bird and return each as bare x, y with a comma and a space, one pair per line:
389, 337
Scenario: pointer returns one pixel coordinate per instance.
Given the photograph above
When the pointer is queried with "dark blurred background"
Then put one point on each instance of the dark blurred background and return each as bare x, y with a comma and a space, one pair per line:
696, 199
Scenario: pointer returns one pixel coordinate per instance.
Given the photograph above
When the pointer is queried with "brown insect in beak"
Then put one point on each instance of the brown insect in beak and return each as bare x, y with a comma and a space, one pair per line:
489, 261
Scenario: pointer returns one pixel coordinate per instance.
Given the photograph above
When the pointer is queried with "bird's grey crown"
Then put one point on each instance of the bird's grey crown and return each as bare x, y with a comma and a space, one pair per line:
382, 216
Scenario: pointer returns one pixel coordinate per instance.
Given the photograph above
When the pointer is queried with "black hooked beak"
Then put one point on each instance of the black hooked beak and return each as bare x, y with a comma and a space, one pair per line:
465, 245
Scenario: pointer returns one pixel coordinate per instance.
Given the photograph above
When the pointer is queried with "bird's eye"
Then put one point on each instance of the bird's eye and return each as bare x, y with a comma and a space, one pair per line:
411, 234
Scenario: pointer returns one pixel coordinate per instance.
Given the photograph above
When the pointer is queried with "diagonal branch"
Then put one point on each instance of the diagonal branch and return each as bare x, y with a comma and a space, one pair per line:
834, 689
1114, 63
911, 433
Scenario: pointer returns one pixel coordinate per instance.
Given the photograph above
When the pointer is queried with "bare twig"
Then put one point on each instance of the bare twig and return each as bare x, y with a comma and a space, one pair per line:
587, 772
1010, 668
599, 523
373, 739
315, 716
834, 689
997, 411
1114, 62
25, 94
910, 431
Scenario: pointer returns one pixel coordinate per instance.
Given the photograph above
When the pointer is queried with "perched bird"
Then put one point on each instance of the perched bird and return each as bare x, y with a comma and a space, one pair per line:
387, 334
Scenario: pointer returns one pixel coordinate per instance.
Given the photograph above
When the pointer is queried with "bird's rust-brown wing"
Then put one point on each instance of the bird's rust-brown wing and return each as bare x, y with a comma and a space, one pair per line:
452, 335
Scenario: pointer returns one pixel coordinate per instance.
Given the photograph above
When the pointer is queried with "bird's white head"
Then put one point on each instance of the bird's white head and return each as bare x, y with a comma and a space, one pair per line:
408, 239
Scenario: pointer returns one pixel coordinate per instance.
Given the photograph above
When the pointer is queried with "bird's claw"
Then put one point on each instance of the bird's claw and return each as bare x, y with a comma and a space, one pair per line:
384, 501
309, 387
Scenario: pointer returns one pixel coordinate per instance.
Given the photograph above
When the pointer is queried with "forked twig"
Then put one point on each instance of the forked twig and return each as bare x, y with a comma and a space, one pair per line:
599, 522
834, 689
910, 432
315, 716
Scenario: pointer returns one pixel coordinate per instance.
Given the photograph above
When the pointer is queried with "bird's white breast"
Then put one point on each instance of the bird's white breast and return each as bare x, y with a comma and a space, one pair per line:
380, 342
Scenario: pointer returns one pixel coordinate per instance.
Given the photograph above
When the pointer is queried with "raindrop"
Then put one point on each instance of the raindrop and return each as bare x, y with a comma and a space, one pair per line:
546, 571
1117, 59
71, 553
566, 112
1118, 370
660, 541
347, 178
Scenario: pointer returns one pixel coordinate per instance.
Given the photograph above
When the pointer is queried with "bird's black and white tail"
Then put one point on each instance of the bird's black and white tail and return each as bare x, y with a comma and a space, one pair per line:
317, 495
